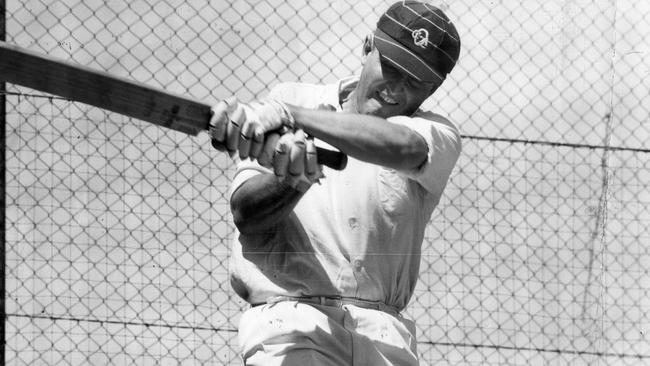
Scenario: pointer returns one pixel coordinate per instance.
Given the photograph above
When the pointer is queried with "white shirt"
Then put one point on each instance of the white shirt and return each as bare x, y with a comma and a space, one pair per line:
357, 234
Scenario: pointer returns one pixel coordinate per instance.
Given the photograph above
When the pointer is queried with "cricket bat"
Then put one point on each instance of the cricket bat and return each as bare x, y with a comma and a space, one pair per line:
101, 89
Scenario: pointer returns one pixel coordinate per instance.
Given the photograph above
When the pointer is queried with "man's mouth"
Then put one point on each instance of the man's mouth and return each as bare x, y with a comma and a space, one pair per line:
386, 98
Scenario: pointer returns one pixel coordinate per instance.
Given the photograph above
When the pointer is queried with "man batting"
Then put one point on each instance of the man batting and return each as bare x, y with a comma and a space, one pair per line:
328, 267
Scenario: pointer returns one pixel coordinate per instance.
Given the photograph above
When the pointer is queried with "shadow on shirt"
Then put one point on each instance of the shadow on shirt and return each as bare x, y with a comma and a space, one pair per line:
286, 256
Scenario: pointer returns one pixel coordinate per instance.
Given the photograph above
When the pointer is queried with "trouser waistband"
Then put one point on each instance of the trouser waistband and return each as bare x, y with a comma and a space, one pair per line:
335, 301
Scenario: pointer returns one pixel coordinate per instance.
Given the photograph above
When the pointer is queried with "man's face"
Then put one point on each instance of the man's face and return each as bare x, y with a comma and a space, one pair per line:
384, 91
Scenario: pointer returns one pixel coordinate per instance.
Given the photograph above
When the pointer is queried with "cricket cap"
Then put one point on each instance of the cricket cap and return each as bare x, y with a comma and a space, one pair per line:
418, 39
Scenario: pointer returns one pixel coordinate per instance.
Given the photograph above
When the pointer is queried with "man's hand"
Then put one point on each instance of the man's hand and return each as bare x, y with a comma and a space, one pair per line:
239, 127
294, 160
225, 124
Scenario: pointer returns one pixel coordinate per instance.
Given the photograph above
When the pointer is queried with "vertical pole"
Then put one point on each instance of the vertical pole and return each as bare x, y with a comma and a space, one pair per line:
3, 192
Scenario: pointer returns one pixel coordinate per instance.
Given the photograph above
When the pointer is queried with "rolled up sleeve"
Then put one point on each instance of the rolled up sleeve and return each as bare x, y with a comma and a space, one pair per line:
246, 169
444, 143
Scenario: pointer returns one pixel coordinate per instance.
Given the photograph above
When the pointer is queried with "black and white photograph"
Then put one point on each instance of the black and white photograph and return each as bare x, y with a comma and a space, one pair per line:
326, 183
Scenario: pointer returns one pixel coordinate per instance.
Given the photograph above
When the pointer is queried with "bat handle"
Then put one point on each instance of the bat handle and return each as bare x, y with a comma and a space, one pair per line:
331, 158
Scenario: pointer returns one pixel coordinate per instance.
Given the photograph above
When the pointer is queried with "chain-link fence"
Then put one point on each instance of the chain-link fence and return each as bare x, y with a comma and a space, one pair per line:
117, 232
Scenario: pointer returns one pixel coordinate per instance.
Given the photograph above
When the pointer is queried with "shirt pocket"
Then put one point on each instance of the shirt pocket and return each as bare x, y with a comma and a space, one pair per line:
393, 192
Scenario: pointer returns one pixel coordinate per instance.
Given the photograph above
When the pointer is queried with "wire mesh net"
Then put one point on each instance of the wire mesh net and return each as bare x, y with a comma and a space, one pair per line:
117, 231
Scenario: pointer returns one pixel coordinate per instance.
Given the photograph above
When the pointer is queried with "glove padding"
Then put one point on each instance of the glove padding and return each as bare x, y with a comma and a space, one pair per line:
237, 127
225, 122
294, 160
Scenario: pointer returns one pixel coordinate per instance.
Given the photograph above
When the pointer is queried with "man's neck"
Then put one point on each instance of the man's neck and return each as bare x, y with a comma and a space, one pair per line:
348, 104
347, 90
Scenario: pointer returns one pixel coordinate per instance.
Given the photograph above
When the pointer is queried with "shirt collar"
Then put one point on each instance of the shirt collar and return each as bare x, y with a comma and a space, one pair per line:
338, 93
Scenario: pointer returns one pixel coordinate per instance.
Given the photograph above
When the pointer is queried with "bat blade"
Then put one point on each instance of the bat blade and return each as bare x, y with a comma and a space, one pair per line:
101, 89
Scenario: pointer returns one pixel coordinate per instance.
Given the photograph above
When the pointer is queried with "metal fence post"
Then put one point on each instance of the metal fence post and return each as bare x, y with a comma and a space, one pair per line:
2, 196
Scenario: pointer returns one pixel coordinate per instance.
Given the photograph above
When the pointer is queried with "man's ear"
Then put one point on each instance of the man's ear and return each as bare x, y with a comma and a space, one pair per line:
435, 87
368, 45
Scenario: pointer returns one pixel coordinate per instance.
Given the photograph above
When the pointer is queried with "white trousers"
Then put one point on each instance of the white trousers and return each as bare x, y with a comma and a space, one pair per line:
290, 333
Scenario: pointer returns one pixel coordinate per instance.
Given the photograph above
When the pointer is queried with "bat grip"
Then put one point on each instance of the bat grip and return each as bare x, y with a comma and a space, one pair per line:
331, 158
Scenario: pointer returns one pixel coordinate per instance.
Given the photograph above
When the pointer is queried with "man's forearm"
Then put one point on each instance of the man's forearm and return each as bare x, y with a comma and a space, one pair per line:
364, 137
262, 202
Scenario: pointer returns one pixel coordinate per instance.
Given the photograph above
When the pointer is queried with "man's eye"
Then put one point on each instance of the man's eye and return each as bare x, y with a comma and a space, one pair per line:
412, 83
388, 68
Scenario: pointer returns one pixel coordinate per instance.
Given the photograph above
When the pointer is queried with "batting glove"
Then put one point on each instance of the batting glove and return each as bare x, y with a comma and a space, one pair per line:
295, 161
262, 118
238, 127
225, 124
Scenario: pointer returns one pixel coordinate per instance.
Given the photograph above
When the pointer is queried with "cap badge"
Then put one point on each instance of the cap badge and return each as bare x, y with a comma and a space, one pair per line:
421, 37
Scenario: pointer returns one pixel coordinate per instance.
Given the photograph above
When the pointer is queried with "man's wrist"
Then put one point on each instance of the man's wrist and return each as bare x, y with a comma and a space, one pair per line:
287, 117
297, 185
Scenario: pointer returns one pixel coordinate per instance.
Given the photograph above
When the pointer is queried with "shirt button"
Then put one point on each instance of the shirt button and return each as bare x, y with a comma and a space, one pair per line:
353, 222
358, 265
